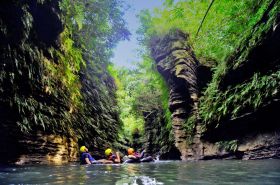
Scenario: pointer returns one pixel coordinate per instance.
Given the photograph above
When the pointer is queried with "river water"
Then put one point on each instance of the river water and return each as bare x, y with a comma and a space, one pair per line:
158, 173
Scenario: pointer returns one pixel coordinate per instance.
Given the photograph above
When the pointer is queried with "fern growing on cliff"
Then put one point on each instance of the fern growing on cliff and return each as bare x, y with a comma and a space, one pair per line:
251, 94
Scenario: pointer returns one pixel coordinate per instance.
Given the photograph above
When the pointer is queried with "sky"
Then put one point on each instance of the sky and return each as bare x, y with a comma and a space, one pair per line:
126, 51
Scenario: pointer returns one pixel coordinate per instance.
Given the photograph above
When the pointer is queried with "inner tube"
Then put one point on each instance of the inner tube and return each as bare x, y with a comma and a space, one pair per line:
132, 161
147, 159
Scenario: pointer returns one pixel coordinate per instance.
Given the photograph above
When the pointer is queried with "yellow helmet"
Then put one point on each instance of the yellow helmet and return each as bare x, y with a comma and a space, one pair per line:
83, 149
130, 151
108, 151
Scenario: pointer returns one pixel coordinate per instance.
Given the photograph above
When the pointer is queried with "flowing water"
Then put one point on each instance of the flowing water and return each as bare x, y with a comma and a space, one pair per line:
168, 172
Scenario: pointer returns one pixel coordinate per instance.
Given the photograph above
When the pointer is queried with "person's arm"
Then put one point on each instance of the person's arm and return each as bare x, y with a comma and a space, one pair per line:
87, 160
118, 158
105, 161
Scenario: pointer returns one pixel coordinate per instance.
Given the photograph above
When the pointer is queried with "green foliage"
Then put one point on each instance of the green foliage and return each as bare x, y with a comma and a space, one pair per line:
251, 94
74, 13
66, 70
127, 82
141, 92
165, 102
226, 24
92, 28
189, 127
63, 86
230, 146
216, 105
227, 36
168, 2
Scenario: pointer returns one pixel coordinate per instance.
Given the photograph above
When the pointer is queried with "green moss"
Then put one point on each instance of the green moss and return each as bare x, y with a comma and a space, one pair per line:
189, 127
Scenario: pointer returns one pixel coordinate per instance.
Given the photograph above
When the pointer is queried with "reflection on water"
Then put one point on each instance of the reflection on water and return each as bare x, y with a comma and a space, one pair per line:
170, 172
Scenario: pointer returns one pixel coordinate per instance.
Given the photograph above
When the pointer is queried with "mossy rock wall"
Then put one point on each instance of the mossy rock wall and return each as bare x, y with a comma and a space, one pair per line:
159, 141
40, 96
178, 65
237, 108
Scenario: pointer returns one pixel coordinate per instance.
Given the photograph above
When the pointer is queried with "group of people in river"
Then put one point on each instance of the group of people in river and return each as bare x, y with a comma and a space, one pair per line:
114, 157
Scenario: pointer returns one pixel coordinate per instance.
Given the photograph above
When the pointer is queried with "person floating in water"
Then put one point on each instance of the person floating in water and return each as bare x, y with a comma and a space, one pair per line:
114, 157
135, 157
85, 157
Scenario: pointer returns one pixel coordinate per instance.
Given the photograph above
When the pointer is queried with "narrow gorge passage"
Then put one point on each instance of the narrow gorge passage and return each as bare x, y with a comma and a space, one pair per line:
184, 95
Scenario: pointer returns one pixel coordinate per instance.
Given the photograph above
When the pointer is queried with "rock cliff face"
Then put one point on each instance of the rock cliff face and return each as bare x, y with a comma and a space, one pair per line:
43, 118
158, 140
241, 123
39, 148
250, 129
177, 63
28, 31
